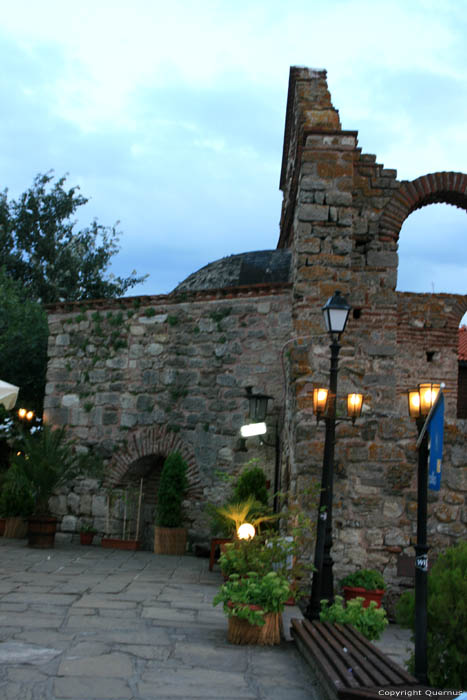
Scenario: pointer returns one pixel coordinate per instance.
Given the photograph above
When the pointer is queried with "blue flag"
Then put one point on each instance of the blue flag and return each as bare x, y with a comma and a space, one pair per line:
436, 432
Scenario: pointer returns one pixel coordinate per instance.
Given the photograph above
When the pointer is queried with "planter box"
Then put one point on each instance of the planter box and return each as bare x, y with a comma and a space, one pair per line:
41, 532
242, 632
115, 543
16, 528
170, 540
351, 592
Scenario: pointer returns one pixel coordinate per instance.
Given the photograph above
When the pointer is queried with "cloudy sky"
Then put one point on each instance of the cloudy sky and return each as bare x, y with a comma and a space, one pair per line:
170, 116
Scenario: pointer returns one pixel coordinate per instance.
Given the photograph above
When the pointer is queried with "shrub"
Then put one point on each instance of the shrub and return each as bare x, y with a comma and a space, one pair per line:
369, 579
252, 483
16, 499
172, 487
447, 619
370, 621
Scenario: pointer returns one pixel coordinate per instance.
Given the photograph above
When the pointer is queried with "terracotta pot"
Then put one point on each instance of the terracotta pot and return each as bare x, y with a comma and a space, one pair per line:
41, 532
170, 540
115, 543
354, 592
86, 537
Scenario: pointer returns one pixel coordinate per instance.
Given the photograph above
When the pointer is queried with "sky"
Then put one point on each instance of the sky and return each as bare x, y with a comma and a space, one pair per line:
170, 117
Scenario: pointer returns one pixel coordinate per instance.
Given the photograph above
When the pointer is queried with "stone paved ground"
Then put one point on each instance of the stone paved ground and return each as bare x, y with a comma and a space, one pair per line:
85, 623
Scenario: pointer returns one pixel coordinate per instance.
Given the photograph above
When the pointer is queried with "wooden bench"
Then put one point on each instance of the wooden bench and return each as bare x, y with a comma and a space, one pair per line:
348, 666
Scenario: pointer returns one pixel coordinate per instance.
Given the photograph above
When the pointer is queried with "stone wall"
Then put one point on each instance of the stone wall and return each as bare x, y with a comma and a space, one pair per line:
342, 213
136, 378
140, 378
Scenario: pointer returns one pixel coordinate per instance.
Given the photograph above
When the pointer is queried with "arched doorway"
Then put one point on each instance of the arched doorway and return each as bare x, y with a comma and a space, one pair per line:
142, 477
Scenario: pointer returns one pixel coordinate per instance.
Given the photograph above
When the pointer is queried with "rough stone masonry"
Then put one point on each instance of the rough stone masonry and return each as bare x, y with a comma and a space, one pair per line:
139, 377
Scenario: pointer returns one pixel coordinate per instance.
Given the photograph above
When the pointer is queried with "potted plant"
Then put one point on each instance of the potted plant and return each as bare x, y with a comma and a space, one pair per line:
16, 503
365, 583
169, 534
370, 620
86, 533
47, 460
253, 605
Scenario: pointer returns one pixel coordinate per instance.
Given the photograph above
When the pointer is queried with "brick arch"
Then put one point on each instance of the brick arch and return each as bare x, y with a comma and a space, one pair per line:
446, 188
153, 441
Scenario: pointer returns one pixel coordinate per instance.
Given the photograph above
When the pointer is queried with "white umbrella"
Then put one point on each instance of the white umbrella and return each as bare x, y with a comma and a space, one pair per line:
8, 395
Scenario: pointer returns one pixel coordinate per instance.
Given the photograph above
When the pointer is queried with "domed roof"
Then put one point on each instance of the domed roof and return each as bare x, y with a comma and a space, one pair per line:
259, 267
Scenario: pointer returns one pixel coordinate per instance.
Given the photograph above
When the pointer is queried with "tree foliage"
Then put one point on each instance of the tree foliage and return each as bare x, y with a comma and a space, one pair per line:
40, 246
45, 258
23, 342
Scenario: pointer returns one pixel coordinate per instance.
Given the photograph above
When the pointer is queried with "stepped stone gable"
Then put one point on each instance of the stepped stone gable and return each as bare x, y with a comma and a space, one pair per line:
133, 377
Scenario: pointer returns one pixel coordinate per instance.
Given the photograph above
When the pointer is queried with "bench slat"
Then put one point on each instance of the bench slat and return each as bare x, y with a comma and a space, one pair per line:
336, 654
358, 658
381, 672
400, 675
313, 654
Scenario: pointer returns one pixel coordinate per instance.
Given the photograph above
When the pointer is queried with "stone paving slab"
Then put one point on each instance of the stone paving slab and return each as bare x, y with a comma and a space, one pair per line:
95, 624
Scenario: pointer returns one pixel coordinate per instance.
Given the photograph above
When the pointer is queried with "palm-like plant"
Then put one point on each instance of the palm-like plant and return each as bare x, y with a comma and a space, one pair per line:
47, 460
248, 510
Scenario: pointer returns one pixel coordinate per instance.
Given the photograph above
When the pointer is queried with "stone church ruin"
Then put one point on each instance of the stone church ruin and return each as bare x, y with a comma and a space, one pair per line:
140, 377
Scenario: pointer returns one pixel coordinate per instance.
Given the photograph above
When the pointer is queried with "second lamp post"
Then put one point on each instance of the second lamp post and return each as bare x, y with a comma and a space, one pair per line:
336, 312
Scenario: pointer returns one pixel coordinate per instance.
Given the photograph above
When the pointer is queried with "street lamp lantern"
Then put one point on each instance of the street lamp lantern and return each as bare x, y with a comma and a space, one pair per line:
320, 401
422, 399
354, 406
336, 312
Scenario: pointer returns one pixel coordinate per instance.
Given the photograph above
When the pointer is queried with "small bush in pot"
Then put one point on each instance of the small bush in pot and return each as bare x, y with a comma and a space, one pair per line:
253, 602
365, 583
16, 502
170, 535
86, 533
369, 621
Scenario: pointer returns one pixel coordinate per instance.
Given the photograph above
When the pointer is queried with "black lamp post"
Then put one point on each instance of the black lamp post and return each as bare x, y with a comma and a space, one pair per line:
335, 312
420, 404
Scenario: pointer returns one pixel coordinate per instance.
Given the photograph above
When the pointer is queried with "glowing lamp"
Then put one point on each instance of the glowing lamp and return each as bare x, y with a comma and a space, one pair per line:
320, 400
29, 415
22, 412
252, 429
354, 406
246, 531
422, 399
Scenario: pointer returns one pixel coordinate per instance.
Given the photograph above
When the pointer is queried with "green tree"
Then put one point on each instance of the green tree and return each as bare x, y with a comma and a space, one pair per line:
41, 247
44, 259
23, 342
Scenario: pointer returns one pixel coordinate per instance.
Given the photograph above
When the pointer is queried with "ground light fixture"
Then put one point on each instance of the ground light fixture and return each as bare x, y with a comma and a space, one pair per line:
335, 312
246, 531
422, 402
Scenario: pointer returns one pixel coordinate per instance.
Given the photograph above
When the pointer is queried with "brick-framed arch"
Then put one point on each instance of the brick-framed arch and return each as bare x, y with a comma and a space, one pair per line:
156, 440
434, 188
